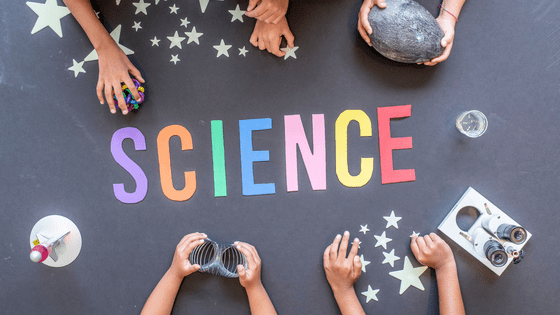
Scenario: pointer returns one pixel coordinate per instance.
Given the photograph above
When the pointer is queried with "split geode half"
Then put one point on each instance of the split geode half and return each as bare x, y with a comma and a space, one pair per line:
405, 32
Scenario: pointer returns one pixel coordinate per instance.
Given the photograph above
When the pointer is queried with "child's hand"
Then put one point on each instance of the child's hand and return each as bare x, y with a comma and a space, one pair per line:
363, 24
342, 271
181, 266
114, 68
269, 36
269, 11
447, 24
250, 277
432, 251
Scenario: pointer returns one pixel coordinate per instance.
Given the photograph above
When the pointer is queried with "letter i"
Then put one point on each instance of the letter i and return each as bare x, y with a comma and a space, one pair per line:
218, 158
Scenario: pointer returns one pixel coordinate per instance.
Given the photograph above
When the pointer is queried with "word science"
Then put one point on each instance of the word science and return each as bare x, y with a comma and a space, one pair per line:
314, 159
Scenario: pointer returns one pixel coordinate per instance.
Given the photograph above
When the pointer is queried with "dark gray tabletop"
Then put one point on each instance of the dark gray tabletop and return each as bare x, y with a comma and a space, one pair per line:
55, 152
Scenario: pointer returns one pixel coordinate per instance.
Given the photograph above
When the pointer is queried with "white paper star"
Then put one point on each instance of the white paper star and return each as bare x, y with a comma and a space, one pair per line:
77, 67
222, 49
155, 41
175, 58
116, 35
174, 9
243, 51
136, 26
414, 234
157, 1
392, 220
390, 258
184, 22
364, 263
370, 294
49, 14
237, 14
382, 240
176, 40
193, 36
409, 276
96, 13
141, 7
364, 229
290, 52
203, 5
119, 2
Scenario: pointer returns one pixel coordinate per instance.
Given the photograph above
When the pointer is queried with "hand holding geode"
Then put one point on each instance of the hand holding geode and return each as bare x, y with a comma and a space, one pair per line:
405, 32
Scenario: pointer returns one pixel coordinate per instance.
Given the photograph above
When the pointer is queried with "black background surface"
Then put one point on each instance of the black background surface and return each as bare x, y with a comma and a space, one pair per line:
55, 157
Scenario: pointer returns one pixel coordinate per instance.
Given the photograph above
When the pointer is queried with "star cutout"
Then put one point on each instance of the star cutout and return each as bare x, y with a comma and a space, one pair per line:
382, 240
193, 36
364, 263
137, 26
155, 41
390, 258
77, 67
184, 22
222, 49
237, 14
364, 229
409, 276
176, 40
141, 7
49, 14
392, 220
415, 234
174, 9
116, 35
290, 52
96, 13
175, 58
243, 51
119, 2
370, 294
203, 5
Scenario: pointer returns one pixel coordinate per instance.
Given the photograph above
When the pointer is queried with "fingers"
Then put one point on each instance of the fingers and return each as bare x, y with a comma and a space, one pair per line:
334, 247
109, 98
343, 246
357, 267
435, 238
253, 39
253, 259
363, 19
428, 241
266, 16
414, 246
130, 85
252, 5
275, 47
257, 12
191, 241
363, 32
136, 73
421, 243
241, 271
289, 37
354, 249
278, 19
381, 4
99, 91
117, 88
262, 44
443, 56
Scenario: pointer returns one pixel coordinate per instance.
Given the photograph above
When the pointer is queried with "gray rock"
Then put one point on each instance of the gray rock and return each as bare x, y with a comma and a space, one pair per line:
405, 32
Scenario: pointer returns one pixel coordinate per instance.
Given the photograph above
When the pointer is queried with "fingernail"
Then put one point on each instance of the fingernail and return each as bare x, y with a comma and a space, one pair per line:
113, 111
238, 247
204, 234
201, 241
125, 112
346, 233
356, 240
338, 236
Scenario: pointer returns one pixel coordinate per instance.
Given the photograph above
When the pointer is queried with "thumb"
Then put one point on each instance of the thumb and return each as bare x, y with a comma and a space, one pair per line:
357, 267
448, 38
241, 271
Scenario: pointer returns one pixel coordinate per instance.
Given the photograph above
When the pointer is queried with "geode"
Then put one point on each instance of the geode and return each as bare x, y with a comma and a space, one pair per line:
405, 32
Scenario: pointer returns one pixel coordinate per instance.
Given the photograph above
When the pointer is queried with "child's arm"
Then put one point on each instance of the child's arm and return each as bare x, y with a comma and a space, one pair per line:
269, 36
447, 20
432, 251
269, 11
162, 298
342, 273
250, 279
114, 66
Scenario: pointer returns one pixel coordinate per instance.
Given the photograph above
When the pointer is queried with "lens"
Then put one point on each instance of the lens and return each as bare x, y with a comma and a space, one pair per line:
495, 253
512, 233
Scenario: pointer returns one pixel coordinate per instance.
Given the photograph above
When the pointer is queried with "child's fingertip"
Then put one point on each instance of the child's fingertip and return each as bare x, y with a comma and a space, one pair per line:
113, 111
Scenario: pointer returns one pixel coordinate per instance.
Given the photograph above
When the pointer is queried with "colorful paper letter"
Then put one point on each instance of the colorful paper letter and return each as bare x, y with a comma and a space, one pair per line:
218, 158
248, 156
388, 144
165, 163
315, 163
341, 145
123, 160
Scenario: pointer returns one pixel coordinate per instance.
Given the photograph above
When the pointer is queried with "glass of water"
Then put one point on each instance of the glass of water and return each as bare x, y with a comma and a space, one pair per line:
472, 123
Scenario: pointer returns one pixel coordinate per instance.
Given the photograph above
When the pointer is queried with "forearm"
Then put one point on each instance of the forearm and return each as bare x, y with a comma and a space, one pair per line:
348, 302
450, 300
259, 301
84, 14
162, 298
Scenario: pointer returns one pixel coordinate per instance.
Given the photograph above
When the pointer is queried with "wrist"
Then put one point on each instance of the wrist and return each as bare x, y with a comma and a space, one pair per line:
252, 288
447, 266
342, 290
174, 274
